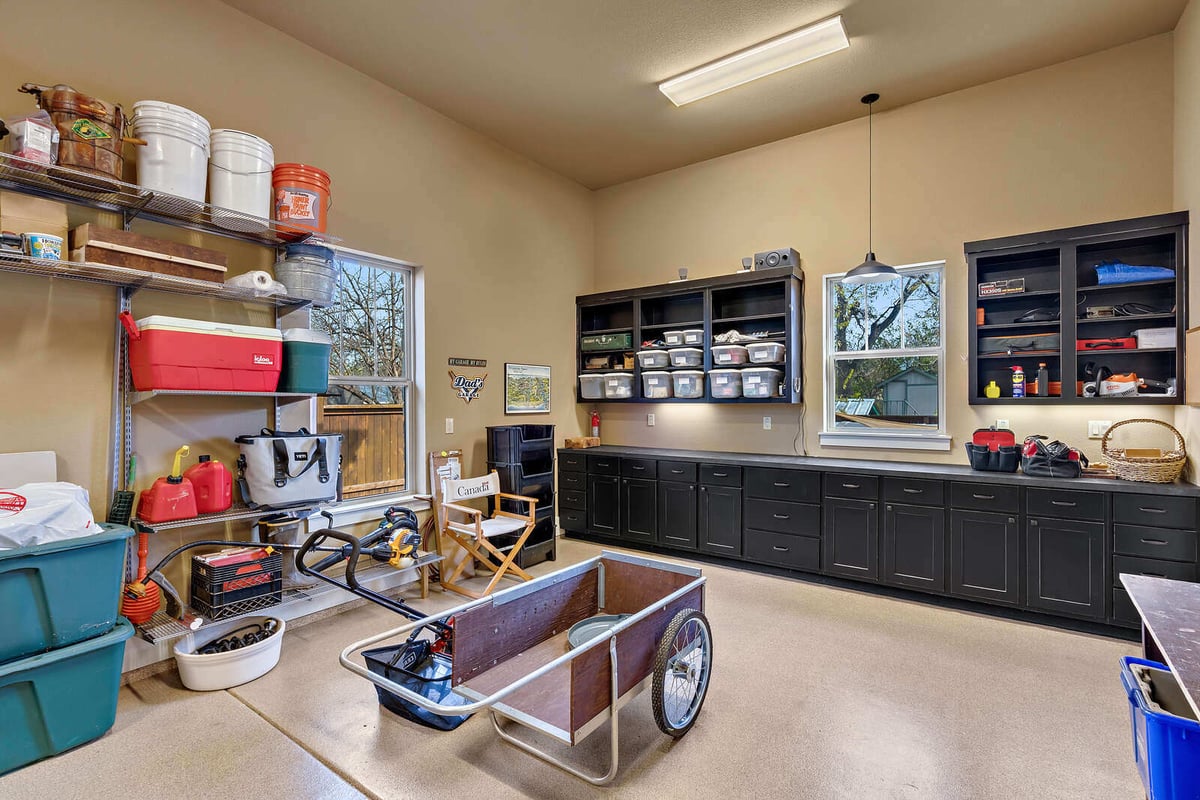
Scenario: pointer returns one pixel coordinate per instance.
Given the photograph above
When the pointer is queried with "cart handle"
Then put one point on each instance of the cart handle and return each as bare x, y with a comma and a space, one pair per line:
500, 694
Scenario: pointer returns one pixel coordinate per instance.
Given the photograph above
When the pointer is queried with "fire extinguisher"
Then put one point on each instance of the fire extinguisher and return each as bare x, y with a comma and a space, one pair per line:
595, 423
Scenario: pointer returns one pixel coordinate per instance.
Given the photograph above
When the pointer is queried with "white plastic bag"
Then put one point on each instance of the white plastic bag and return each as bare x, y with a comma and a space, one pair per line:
37, 513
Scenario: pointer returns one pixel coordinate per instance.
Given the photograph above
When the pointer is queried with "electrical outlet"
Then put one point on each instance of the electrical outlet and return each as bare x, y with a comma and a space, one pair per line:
1001, 423
650, 420
449, 424
1098, 427
766, 423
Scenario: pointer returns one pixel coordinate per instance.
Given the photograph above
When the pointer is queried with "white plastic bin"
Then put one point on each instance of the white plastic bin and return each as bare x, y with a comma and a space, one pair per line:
693, 336
618, 385
725, 383
653, 359
687, 357
729, 354
689, 383
591, 387
766, 352
175, 157
762, 382
239, 174
673, 338
209, 673
1155, 337
656, 385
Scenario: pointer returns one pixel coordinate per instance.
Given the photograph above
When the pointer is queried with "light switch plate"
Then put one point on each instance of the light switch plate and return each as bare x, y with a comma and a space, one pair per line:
449, 424
650, 420
766, 423
1098, 427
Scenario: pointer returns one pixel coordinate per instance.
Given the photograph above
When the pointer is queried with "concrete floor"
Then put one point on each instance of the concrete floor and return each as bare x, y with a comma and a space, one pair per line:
817, 692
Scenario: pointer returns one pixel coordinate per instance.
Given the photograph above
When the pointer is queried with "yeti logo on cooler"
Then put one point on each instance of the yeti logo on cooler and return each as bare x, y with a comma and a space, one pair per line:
263, 361
300, 456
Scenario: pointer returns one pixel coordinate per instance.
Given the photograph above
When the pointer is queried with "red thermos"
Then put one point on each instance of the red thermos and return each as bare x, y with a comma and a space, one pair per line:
213, 484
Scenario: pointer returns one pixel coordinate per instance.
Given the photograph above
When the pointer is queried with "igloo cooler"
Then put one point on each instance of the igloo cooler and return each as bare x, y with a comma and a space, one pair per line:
195, 355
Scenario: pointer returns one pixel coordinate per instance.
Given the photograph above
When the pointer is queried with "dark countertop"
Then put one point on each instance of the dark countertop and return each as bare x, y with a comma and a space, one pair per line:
1171, 613
906, 469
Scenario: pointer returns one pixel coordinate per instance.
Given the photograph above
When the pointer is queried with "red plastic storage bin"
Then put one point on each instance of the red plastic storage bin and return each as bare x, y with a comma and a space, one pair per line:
194, 355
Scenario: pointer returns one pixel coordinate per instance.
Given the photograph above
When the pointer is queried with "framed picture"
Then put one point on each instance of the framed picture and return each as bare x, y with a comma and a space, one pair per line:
526, 389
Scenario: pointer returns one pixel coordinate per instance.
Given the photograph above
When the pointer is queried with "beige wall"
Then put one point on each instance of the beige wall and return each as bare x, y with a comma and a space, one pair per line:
1085, 141
505, 243
1187, 184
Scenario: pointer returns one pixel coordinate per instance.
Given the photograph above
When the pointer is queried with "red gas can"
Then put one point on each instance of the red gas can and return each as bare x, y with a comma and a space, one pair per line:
213, 484
170, 498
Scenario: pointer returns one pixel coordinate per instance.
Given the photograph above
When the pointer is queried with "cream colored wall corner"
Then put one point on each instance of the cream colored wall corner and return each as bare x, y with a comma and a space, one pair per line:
1187, 193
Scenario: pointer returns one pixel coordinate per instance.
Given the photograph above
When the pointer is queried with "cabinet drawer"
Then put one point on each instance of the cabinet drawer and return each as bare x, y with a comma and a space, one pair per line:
1156, 510
1124, 612
783, 484
917, 491
795, 552
1163, 543
843, 484
572, 480
720, 475
795, 519
570, 519
573, 498
985, 497
638, 467
603, 465
572, 461
678, 471
1155, 568
1064, 504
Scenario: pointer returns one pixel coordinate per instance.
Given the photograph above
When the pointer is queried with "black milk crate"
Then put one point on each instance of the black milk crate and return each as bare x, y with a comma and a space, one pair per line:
230, 590
516, 479
521, 444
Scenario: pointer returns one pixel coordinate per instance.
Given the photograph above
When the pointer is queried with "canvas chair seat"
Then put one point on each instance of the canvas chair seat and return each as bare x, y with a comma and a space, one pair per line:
471, 529
497, 526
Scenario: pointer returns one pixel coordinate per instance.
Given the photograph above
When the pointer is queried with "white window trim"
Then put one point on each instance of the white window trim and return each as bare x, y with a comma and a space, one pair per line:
891, 440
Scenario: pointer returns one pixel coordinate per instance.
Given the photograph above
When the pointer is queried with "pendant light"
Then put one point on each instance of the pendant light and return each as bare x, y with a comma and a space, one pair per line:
870, 270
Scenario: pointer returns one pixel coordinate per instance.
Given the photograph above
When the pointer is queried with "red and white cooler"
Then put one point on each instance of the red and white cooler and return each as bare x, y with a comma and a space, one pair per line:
195, 355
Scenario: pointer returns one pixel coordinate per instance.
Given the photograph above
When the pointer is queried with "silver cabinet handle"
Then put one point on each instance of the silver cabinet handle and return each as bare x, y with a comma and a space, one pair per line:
638, 467
720, 474
910, 490
782, 516
1154, 541
1064, 503
871, 505
780, 485
676, 472
983, 496
1152, 510
704, 488
692, 487
889, 508
1033, 522
850, 485
603, 464
779, 549
1011, 520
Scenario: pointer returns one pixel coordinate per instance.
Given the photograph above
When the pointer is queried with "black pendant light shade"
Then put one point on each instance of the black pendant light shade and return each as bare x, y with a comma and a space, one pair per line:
870, 270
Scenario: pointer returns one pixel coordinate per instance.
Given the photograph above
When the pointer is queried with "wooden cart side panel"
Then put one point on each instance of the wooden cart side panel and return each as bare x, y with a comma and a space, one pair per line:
490, 634
628, 588
591, 674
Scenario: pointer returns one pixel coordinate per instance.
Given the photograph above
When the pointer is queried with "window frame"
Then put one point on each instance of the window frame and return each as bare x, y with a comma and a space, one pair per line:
929, 439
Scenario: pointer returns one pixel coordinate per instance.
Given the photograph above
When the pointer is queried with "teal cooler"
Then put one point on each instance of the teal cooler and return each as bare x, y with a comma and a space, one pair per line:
60, 593
58, 700
305, 361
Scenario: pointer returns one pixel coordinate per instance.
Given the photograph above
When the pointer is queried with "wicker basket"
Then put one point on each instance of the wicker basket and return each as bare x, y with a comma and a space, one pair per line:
1161, 469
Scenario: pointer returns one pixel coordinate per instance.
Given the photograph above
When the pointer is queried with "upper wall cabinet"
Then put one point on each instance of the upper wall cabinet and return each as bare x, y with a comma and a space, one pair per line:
730, 339
1101, 308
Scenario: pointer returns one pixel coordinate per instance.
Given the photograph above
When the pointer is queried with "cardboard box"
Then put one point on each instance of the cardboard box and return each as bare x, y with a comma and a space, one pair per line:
20, 213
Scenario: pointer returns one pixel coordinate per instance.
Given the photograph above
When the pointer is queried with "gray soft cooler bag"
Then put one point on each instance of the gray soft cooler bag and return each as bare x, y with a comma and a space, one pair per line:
283, 469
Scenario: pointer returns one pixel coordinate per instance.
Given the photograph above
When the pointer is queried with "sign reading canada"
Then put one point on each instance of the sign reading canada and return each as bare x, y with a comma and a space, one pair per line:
467, 388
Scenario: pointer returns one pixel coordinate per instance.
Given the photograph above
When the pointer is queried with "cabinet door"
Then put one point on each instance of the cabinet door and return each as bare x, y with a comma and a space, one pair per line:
639, 514
985, 559
721, 520
1065, 567
677, 514
914, 546
850, 540
604, 504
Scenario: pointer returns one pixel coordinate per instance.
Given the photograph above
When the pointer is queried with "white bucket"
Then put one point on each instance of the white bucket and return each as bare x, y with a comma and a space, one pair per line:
175, 157
239, 174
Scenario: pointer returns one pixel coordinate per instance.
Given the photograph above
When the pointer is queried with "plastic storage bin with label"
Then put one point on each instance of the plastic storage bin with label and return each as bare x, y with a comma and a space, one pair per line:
1166, 735
693, 336
725, 383
591, 387
729, 354
689, 383
766, 352
195, 355
653, 359
618, 386
687, 357
673, 338
656, 385
762, 382
1154, 337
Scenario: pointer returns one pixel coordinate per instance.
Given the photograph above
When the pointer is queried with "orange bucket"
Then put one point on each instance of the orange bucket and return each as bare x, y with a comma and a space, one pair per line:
302, 197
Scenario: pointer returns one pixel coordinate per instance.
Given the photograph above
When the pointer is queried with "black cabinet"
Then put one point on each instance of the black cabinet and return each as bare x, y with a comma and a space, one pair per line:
850, 540
721, 520
914, 546
677, 522
604, 504
1065, 566
639, 509
985, 556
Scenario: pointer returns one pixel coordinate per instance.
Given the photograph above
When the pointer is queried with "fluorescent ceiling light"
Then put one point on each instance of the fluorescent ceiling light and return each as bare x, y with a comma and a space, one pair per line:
757, 62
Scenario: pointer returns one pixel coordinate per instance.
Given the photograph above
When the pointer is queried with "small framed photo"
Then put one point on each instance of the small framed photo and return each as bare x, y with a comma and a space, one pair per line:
526, 389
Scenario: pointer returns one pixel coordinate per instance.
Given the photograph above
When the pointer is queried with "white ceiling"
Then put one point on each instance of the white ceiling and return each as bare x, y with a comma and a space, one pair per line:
572, 83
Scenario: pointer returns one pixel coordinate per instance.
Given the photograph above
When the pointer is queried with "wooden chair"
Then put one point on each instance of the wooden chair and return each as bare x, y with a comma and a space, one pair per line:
472, 530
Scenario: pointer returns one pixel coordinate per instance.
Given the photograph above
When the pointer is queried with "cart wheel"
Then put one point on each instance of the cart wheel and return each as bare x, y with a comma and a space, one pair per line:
681, 670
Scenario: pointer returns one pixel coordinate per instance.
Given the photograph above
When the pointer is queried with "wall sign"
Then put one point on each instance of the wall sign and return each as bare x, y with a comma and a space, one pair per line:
526, 389
467, 387
467, 362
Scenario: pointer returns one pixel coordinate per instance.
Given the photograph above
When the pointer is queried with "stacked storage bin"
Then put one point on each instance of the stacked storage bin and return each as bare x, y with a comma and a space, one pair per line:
523, 455
62, 646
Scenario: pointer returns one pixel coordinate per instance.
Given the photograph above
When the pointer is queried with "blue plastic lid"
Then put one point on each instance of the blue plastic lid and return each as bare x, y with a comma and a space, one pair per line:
313, 250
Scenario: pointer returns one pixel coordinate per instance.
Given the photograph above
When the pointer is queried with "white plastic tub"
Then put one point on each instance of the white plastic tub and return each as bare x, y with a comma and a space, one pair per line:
208, 673
693, 336
1155, 337
653, 359
673, 338
762, 382
689, 383
687, 357
239, 174
725, 383
591, 387
174, 159
618, 385
656, 385
766, 352
729, 354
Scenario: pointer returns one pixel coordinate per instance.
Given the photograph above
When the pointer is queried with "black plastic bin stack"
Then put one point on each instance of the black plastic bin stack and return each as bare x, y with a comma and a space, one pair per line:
523, 456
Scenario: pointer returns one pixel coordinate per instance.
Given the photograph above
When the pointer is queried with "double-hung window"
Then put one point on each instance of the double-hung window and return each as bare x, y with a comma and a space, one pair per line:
885, 361
370, 382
